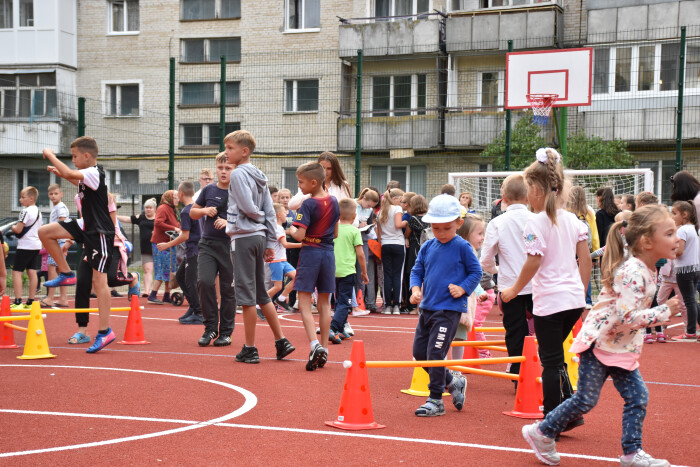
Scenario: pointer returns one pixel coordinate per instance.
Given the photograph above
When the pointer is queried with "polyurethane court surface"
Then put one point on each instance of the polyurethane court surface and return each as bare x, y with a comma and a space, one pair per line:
173, 402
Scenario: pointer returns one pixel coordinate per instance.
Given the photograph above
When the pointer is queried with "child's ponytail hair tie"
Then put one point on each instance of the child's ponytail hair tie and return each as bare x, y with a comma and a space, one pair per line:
624, 224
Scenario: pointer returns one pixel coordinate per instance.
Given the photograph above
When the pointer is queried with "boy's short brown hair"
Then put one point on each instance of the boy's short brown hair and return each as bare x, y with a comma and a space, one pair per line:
278, 207
186, 188
30, 191
85, 144
273, 189
54, 186
348, 208
242, 138
312, 171
514, 188
221, 158
448, 189
418, 205
644, 198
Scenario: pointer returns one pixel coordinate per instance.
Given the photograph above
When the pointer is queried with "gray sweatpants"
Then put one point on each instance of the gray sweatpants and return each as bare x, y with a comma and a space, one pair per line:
214, 259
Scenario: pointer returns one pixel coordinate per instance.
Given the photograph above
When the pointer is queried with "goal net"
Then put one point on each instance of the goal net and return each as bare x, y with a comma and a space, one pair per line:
484, 188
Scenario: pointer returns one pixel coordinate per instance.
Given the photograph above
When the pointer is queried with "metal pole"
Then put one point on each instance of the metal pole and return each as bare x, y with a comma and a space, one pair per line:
358, 123
171, 148
222, 104
81, 116
679, 119
563, 129
510, 49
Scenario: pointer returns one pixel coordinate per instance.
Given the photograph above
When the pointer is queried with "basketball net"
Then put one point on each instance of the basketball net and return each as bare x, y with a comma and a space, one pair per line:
541, 107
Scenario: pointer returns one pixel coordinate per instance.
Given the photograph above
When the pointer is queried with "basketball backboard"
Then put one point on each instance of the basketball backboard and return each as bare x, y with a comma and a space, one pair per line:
566, 73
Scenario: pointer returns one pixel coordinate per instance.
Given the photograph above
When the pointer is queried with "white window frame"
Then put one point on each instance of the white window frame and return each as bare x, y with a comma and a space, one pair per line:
11, 16
295, 100
372, 7
288, 30
122, 198
414, 95
217, 12
207, 48
205, 134
510, 4
106, 102
110, 11
217, 93
19, 19
25, 182
408, 187
501, 90
17, 88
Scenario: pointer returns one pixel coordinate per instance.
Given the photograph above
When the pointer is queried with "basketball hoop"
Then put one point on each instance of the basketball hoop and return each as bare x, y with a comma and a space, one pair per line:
541, 107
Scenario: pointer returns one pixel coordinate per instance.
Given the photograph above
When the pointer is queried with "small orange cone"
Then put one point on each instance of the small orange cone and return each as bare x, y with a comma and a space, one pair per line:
360, 300
471, 352
7, 336
134, 325
528, 397
355, 412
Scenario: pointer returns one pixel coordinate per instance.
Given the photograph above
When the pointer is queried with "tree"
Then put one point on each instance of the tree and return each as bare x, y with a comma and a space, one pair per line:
584, 152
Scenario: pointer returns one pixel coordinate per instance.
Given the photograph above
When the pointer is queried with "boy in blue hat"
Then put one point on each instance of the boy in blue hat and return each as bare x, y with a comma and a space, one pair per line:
445, 274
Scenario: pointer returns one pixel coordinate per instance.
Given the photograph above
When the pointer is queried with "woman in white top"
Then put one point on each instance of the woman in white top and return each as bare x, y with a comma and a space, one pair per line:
335, 184
390, 235
686, 265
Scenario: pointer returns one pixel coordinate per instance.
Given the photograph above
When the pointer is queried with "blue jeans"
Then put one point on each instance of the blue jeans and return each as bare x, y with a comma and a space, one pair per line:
589, 299
344, 288
592, 375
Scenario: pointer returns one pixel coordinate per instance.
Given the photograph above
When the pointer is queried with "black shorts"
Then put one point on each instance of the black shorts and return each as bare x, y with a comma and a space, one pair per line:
27, 259
97, 247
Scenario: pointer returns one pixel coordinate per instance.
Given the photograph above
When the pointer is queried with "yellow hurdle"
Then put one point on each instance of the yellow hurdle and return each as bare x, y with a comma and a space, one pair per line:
477, 371
492, 329
494, 347
36, 346
14, 318
476, 343
17, 328
438, 363
83, 310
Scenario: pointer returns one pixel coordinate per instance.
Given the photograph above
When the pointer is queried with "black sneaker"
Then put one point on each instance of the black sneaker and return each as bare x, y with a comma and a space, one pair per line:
116, 294
284, 305
222, 341
206, 338
248, 355
260, 314
284, 348
194, 318
315, 357
187, 314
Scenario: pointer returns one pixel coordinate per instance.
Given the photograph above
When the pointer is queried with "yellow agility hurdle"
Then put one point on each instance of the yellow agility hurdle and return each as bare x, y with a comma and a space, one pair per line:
434, 363
491, 329
476, 343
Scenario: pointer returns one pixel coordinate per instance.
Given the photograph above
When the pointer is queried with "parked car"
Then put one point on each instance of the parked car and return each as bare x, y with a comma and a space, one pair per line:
6, 224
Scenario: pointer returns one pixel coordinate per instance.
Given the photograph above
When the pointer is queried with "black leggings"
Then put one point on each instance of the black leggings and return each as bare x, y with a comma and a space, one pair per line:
688, 285
392, 259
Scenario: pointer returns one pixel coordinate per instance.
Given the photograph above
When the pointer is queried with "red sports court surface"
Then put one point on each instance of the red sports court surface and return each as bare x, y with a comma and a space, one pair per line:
173, 402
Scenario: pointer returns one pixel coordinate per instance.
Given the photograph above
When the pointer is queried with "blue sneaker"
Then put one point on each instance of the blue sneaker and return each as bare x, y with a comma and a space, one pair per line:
102, 341
62, 279
135, 290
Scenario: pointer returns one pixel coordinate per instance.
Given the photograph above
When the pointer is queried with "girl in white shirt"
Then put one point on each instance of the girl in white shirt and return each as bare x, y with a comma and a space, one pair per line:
687, 264
335, 183
553, 239
390, 235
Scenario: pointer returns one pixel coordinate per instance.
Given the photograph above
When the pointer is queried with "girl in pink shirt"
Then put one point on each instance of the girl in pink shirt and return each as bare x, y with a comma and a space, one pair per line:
610, 341
553, 239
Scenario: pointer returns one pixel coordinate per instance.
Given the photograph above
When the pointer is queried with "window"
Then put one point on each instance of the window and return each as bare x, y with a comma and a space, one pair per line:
502, 3
411, 177
389, 8
399, 95
39, 179
490, 91
663, 170
302, 14
26, 13
301, 95
289, 179
199, 94
204, 134
5, 14
623, 69
122, 99
601, 61
121, 177
211, 50
123, 16
28, 95
210, 9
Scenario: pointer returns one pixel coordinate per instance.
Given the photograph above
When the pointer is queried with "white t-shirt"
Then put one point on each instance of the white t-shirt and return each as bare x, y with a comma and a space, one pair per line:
57, 211
30, 240
280, 252
688, 261
390, 234
557, 284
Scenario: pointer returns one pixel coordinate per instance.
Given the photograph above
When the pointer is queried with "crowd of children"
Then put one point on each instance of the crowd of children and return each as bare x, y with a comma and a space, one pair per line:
246, 244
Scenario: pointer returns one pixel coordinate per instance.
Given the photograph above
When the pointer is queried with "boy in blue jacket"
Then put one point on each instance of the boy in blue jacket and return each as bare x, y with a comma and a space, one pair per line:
445, 274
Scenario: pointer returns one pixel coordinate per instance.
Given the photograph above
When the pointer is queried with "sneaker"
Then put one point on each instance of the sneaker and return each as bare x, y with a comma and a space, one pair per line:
348, 330
315, 357
396, 310
62, 279
136, 289
206, 338
116, 294
20, 307
685, 337
589, 306
284, 306
545, 448
222, 341
387, 310
318, 330
248, 355
458, 389
642, 459
344, 335
575, 423
284, 348
194, 318
661, 337
360, 312
260, 314
371, 308
155, 301
102, 341
648, 339
431, 408
187, 314
333, 337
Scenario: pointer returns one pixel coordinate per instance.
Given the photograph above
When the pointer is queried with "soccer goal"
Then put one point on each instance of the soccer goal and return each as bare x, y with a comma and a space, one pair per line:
485, 187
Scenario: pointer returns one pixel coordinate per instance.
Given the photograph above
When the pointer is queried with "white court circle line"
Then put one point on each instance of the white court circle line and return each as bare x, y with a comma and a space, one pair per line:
250, 401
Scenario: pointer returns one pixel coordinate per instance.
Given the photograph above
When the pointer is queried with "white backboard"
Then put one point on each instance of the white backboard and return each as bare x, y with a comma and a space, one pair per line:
565, 72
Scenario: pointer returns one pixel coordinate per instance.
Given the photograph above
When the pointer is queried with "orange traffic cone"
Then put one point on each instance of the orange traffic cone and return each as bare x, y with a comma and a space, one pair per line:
471, 352
134, 325
355, 412
360, 300
7, 336
528, 397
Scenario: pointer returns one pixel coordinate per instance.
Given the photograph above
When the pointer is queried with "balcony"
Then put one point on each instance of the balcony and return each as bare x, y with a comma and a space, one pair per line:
385, 133
32, 138
399, 35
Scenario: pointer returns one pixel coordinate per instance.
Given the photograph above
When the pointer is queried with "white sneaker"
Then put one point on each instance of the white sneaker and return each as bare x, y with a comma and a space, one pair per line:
360, 312
545, 448
642, 459
386, 310
396, 311
348, 330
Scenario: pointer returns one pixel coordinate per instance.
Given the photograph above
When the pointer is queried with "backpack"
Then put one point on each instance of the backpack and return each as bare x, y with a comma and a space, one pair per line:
426, 234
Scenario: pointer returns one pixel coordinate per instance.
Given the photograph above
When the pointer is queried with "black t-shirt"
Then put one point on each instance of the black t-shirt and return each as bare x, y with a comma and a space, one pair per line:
603, 222
94, 202
213, 196
145, 232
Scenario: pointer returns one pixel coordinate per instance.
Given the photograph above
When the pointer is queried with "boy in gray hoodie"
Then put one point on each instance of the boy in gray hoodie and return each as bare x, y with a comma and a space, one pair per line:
252, 225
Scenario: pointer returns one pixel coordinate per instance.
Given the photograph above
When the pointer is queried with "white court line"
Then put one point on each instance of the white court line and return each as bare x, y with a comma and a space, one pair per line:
250, 402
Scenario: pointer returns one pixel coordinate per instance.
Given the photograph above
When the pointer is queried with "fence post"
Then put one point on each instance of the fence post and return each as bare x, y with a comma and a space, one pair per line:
222, 104
171, 145
81, 116
508, 116
358, 123
681, 87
